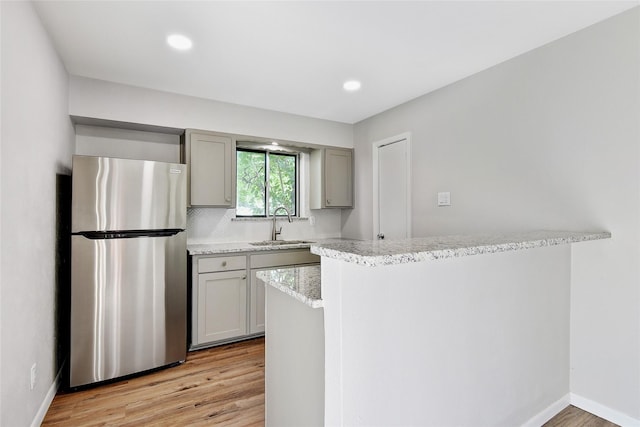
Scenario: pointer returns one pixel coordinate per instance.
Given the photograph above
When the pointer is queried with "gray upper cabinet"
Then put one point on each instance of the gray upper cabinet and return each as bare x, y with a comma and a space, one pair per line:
211, 160
331, 178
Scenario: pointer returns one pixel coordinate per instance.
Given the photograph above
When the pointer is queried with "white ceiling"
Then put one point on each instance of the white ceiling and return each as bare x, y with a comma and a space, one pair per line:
294, 56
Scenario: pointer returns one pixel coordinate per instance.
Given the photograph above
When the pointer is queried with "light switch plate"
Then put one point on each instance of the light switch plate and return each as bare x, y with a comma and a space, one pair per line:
444, 199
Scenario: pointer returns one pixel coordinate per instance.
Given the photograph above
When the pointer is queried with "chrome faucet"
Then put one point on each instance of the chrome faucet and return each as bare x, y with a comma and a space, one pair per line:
274, 232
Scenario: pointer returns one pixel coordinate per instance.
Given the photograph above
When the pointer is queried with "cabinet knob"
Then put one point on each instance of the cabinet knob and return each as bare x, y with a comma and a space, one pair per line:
227, 199
328, 201
224, 263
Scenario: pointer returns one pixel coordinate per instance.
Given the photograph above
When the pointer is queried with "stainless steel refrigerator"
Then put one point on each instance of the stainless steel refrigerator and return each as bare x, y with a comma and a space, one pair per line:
128, 267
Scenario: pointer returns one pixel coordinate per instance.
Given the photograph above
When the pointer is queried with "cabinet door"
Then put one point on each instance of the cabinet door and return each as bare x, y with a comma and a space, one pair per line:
256, 306
338, 178
211, 169
268, 261
222, 305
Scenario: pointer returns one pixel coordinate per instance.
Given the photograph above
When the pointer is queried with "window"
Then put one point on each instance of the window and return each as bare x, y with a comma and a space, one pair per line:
265, 181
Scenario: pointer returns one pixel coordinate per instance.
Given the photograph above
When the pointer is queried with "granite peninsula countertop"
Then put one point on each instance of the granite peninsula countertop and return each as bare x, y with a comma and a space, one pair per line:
216, 248
302, 283
390, 252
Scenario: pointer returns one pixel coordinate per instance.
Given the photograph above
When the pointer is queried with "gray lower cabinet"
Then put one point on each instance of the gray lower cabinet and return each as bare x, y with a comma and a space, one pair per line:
268, 261
228, 302
222, 308
257, 305
219, 298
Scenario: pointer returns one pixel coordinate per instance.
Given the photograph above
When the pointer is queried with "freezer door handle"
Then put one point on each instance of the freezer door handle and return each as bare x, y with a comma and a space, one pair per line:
129, 234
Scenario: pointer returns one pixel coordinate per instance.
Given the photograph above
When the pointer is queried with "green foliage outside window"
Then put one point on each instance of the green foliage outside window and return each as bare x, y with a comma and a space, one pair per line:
250, 188
265, 181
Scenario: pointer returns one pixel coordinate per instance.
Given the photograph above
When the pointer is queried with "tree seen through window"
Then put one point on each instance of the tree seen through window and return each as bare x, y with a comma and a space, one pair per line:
265, 181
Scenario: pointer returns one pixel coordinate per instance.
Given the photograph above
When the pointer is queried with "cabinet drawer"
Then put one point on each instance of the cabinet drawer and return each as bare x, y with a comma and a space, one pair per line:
226, 263
275, 259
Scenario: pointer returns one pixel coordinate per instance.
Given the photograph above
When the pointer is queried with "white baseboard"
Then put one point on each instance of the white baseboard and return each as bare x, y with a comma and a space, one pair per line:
548, 413
603, 411
44, 407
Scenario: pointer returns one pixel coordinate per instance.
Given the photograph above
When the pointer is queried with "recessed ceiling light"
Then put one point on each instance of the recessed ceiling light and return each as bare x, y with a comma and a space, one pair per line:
180, 42
351, 85
274, 143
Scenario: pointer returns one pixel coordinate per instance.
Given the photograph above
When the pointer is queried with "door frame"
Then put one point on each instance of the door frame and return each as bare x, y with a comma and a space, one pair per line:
376, 209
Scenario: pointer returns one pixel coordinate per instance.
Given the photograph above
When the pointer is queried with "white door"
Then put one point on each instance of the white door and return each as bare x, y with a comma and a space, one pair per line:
392, 193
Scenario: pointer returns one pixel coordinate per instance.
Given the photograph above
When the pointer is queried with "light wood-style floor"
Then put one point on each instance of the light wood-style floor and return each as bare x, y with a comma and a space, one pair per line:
575, 417
221, 386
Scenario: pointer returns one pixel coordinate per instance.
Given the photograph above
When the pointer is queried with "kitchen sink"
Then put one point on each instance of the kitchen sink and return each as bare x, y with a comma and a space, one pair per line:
279, 242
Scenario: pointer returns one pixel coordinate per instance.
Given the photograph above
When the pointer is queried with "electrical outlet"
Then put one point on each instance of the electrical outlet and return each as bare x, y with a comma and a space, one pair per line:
33, 376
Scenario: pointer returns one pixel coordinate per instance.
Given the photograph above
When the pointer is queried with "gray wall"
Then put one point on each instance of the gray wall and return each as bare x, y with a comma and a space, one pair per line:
37, 143
550, 140
127, 144
118, 102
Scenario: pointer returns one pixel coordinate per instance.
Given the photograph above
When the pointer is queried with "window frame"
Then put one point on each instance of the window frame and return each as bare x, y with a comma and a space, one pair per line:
296, 195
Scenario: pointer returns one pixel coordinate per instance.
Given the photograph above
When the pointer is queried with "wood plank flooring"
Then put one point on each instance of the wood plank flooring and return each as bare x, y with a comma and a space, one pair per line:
221, 386
575, 417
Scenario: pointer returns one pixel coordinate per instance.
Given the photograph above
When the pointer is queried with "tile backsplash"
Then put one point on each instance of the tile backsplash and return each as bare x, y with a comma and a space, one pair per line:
206, 225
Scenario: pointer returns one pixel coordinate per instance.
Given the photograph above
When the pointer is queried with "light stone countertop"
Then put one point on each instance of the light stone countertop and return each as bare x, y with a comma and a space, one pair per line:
390, 252
216, 248
302, 283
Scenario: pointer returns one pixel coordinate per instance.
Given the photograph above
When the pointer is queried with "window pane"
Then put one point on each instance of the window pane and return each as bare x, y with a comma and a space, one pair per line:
282, 183
250, 186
